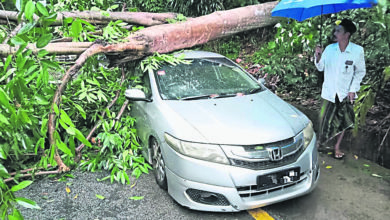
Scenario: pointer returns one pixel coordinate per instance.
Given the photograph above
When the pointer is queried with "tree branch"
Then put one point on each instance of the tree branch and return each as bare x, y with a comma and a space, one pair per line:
94, 49
35, 174
25, 171
97, 17
122, 110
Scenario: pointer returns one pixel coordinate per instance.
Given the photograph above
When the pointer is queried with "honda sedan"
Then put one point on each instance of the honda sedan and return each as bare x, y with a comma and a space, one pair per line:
218, 139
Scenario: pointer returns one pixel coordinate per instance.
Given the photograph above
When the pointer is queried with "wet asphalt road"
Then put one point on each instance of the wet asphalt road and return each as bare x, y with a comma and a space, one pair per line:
347, 190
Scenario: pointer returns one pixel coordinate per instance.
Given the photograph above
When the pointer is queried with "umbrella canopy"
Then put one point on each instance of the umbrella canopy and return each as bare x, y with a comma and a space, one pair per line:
304, 9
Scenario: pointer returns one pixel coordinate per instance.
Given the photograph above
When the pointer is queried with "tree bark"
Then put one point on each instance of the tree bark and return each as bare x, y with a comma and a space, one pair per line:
96, 17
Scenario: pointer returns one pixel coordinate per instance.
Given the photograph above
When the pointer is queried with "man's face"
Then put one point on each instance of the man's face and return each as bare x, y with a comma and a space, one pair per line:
340, 34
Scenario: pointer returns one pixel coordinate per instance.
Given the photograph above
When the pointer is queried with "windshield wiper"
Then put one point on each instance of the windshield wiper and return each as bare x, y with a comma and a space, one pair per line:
225, 95
196, 97
253, 91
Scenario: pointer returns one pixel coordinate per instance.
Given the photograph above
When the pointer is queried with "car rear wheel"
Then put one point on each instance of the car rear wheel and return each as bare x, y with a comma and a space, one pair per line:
158, 164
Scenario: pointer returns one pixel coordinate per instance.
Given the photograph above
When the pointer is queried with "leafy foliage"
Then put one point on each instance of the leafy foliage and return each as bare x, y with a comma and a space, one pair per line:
27, 85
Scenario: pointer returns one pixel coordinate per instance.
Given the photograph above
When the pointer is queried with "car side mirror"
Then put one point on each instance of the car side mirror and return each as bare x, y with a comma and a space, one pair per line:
136, 95
262, 81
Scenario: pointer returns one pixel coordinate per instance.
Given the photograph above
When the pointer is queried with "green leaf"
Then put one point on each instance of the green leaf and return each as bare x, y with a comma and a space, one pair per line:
81, 138
66, 118
7, 62
23, 117
3, 155
21, 185
42, 9
62, 146
44, 126
3, 119
19, 5
366, 165
41, 144
55, 108
44, 40
136, 198
51, 64
17, 40
68, 20
100, 196
72, 145
27, 203
71, 131
81, 110
11, 217
16, 215
26, 28
76, 28
3, 169
29, 10
42, 53
41, 100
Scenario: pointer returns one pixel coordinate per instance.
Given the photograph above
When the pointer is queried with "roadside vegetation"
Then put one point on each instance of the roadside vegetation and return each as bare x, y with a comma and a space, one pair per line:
93, 130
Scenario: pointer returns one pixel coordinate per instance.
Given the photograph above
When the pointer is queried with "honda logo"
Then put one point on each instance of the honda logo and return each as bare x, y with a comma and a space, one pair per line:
275, 153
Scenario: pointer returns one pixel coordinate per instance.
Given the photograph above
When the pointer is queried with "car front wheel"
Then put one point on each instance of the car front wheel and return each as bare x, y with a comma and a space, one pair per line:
158, 164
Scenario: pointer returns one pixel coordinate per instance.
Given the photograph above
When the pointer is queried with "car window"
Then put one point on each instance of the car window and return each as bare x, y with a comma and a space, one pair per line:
203, 77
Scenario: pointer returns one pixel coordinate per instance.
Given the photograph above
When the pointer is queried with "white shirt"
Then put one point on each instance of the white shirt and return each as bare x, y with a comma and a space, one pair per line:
344, 71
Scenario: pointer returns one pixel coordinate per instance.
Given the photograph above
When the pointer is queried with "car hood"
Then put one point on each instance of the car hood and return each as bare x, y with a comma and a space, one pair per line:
241, 120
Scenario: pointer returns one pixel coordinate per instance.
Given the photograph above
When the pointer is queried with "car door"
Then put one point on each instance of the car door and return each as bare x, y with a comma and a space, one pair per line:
141, 111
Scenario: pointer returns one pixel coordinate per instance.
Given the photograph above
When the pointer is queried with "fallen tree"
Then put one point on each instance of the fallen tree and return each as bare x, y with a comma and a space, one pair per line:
163, 38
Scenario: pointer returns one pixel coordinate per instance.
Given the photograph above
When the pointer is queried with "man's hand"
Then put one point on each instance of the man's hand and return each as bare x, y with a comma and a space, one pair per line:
351, 97
318, 53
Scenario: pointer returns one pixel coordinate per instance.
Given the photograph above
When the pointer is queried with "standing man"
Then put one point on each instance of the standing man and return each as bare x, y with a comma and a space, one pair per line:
344, 68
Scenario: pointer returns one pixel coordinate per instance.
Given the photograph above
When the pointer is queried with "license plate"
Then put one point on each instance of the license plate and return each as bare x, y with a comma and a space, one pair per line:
278, 178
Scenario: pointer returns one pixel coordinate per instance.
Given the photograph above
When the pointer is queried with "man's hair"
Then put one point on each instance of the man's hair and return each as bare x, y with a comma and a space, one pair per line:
348, 25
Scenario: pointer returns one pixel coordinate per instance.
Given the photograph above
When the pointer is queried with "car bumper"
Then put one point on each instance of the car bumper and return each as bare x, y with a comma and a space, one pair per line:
188, 177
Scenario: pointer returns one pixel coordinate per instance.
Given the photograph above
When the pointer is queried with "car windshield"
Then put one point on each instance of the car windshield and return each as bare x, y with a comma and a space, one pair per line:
204, 78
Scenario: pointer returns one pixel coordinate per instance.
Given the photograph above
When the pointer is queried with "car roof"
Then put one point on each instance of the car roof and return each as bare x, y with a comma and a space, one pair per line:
196, 54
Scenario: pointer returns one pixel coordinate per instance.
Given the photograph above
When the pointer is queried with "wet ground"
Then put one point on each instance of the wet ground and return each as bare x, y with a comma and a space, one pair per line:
352, 188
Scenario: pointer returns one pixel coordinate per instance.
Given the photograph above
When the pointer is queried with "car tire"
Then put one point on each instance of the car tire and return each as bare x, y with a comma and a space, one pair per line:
158, 164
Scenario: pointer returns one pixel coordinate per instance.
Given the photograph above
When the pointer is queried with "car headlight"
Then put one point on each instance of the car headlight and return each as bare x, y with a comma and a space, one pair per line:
308, 134
208, 152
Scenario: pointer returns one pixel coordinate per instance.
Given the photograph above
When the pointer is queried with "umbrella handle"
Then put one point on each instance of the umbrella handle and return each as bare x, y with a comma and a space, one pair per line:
322, 7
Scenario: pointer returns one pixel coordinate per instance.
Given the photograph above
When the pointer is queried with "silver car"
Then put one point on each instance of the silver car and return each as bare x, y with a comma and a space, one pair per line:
219, 140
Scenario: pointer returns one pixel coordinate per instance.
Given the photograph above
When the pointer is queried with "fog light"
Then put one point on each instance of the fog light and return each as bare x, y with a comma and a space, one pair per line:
208, 198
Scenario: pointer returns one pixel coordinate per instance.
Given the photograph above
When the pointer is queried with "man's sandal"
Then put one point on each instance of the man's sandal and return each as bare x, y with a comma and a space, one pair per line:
338, 156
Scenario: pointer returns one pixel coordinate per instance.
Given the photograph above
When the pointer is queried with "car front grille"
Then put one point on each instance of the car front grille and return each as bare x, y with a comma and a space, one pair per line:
262, 165
292, 149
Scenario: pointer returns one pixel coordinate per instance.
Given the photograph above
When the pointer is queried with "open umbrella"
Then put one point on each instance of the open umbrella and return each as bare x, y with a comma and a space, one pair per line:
304, 9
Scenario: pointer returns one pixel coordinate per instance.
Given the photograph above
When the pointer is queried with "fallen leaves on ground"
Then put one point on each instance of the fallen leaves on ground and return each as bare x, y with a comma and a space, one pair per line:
136, 197
328, 167
100, 196
67, 189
